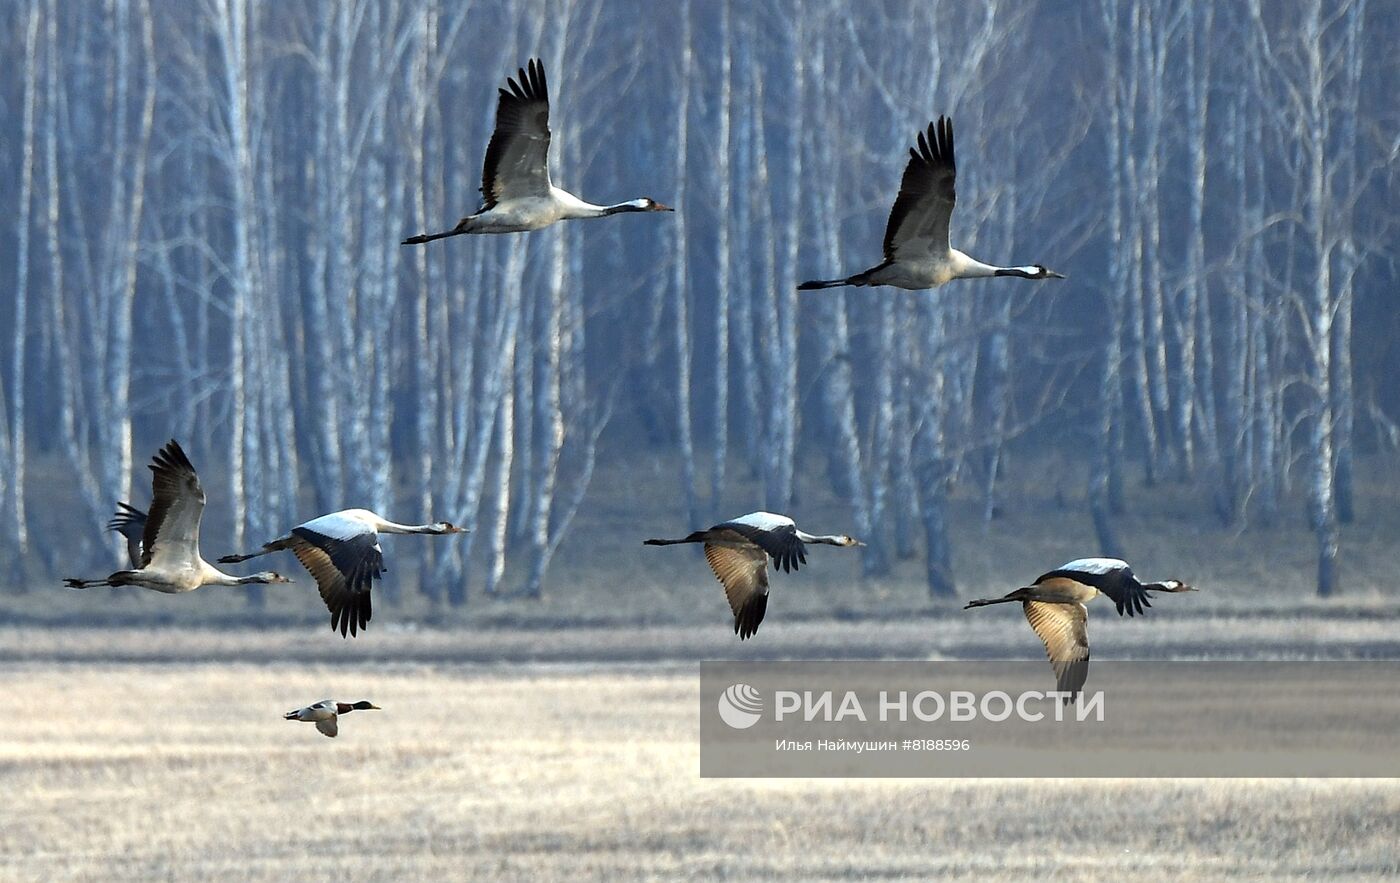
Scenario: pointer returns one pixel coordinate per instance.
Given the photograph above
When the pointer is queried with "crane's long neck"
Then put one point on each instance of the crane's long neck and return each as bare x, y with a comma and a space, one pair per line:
216, 577
821, 538
971, 268
573, 207
631, 205
1168, 585
577, 208
1023, 272
395, 527
966, 267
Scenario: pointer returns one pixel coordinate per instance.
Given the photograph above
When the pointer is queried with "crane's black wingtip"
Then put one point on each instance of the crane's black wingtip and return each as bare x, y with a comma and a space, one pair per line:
170, 456
352, 616
541, 87
750, 616
528, 84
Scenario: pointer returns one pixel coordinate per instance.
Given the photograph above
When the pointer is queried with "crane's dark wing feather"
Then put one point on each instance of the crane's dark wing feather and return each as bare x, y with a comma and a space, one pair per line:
781, 543
1063, 629
130, 522
345, 571
177, 504
744, 574
918, 224
517, 158
1117, 583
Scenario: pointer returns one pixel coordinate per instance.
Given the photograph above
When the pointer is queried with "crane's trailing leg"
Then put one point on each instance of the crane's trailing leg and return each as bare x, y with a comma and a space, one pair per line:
277, 545
85, 583
697, 537
120, 578
818, 284
983, 602
463, 226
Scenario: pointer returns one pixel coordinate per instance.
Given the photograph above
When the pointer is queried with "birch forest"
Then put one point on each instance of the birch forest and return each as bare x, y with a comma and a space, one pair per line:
203, 202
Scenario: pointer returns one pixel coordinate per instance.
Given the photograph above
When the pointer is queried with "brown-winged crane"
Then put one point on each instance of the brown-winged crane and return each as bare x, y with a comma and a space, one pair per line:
738, 551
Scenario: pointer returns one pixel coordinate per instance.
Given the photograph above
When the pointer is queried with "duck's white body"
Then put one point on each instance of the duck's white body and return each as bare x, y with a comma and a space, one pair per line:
326, 714
317, 711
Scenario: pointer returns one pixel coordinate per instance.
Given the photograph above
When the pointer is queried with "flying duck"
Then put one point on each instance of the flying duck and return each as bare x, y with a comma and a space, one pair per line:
326, 713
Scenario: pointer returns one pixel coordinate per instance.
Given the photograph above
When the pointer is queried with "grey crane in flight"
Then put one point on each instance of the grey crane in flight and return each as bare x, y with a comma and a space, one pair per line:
516, 192
169, 560
738, 551
341, 551
917, 250
1054, 605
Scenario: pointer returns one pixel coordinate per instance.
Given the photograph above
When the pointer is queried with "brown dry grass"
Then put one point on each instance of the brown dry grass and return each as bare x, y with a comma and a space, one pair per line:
179, 770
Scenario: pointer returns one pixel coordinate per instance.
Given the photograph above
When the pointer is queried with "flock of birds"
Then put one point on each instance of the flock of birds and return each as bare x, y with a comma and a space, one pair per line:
341, 550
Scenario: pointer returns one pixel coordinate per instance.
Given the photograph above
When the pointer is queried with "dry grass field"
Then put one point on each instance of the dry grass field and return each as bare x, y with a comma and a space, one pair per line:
140, 755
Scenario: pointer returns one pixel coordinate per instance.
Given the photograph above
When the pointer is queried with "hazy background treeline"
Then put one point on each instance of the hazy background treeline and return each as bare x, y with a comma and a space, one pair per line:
200, 219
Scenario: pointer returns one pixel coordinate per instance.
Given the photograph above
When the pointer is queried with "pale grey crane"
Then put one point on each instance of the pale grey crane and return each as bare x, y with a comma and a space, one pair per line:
917, 251
169, 549
517, 194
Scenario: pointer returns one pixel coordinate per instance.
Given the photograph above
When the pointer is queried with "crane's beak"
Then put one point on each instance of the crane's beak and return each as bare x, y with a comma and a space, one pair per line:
658, 207
1051, 274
